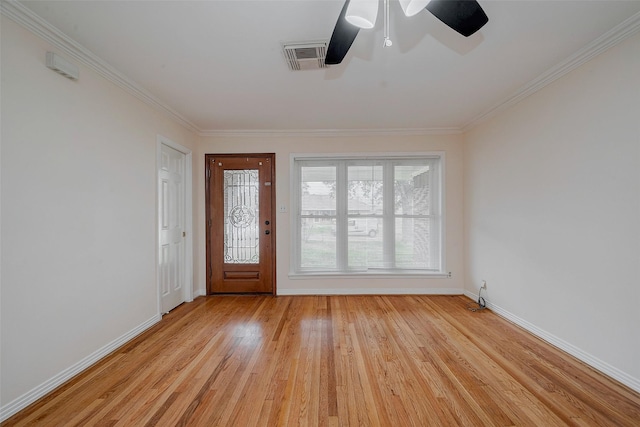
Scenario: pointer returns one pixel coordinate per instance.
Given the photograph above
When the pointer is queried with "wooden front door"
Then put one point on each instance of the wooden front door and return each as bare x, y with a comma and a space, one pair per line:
240, 195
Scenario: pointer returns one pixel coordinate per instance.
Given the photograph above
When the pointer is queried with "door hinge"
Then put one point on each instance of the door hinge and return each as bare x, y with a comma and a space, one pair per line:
208, 173
209, 223
184, 234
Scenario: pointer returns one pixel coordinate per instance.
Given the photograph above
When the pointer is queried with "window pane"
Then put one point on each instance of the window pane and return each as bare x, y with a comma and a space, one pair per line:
365, 189
417, 244
318, 244
344, 204
318, 187
411, 189
365, 243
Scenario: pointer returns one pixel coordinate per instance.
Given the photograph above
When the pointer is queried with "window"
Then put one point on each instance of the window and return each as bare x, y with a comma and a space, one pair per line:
367, 215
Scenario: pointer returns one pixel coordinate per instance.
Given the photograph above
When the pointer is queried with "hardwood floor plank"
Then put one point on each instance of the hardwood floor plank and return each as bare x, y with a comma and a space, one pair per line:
335, 361
444, 348
548, 373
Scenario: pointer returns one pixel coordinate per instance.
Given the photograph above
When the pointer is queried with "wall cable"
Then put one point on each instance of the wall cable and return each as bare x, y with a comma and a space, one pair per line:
481, 303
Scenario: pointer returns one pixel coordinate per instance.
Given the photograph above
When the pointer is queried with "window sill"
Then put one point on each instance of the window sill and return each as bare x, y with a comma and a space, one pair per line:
369, 275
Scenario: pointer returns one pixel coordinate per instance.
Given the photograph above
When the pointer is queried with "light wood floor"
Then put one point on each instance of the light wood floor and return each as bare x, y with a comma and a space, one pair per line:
339, 360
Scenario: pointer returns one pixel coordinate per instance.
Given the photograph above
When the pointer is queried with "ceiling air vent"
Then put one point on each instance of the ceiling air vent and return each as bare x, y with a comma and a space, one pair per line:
305, 55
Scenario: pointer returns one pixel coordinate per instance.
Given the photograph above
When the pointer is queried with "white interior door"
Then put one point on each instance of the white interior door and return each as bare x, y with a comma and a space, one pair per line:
172, 226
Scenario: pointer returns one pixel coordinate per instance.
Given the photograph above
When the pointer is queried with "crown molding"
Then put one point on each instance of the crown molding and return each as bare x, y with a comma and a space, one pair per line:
617, 34
327, 133
28, 19
40, 27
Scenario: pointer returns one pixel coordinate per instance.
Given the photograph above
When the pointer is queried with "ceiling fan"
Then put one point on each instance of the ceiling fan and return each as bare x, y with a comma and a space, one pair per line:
464, 16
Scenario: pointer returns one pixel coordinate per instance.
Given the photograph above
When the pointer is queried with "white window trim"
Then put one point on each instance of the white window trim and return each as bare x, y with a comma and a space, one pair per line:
295, 225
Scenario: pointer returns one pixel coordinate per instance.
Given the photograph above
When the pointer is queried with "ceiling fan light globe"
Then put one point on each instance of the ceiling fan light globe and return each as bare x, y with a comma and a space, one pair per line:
412, 7
359, 22
362, 13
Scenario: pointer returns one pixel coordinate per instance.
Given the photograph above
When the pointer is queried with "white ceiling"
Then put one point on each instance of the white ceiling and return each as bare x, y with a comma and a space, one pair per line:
219, 63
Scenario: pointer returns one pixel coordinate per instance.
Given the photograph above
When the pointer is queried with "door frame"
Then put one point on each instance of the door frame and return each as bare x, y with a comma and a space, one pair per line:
207, 225
188, 210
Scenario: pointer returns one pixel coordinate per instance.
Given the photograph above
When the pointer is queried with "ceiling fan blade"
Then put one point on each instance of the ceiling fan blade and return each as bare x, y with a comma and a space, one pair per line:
343, 36
464, 16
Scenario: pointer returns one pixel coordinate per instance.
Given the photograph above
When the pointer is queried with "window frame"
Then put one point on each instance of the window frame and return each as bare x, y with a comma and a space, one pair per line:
323, 159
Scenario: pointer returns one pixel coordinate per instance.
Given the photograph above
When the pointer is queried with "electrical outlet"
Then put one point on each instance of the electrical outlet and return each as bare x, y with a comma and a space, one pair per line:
484, 285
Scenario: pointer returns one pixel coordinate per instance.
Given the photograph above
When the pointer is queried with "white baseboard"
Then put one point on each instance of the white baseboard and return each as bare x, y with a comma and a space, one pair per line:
370, 291
31, 396
594, 362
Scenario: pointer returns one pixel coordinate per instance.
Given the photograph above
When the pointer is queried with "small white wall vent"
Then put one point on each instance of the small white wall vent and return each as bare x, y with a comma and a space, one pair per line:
62, 66
305, 55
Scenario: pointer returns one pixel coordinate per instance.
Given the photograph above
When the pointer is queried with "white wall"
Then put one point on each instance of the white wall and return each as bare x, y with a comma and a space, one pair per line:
78, 214
283, 146
552, 211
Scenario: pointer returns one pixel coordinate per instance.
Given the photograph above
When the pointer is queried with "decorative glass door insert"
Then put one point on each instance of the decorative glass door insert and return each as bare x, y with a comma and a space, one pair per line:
241, 214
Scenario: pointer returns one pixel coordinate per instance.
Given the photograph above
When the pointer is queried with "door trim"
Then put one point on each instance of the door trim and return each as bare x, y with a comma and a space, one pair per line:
188, 209
208, 267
